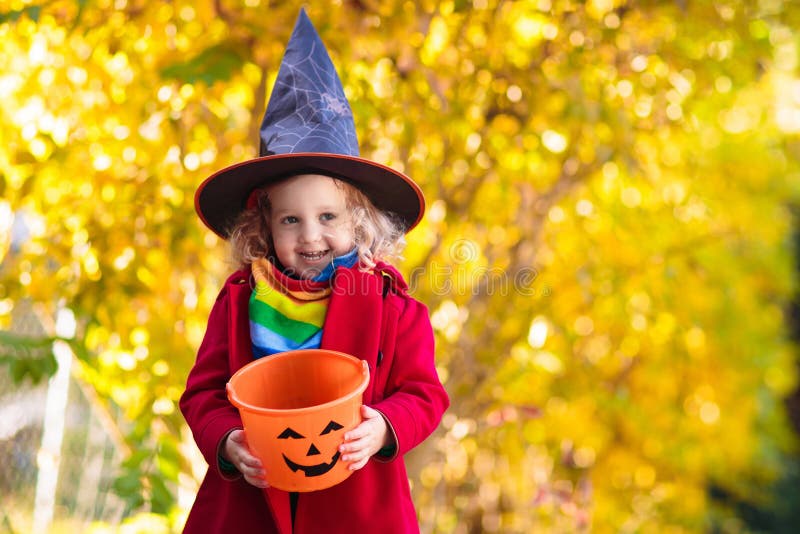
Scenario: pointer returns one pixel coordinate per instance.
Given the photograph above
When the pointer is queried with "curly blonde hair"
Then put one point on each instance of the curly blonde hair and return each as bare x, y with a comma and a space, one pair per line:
378, 235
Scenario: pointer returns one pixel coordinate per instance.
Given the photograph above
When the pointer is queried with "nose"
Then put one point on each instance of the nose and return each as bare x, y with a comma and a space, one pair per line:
311, 232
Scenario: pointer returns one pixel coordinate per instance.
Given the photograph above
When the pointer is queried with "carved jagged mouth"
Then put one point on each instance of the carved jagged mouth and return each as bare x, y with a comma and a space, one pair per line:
312, 470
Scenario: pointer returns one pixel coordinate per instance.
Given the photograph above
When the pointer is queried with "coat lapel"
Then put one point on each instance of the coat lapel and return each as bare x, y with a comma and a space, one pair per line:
241, 348
355, 313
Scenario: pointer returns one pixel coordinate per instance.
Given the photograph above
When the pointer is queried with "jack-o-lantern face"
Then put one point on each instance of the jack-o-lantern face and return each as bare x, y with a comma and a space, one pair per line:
317, 469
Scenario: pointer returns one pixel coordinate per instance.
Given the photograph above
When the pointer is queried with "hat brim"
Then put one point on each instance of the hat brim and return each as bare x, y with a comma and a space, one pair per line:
223, 195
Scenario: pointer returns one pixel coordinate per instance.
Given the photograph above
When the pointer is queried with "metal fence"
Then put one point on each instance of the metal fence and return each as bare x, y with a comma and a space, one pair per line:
58, 456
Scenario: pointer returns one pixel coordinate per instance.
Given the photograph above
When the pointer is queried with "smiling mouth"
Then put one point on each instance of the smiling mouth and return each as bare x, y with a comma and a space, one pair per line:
312, 470
314, 256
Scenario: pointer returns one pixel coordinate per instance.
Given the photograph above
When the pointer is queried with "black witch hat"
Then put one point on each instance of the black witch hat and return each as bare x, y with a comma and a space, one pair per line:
307, 128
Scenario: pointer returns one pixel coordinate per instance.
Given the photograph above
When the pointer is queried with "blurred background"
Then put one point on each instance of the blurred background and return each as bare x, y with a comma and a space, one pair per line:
609, 252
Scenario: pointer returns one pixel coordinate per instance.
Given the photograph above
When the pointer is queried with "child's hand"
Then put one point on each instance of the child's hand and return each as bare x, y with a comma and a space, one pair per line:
237, 453
364, 440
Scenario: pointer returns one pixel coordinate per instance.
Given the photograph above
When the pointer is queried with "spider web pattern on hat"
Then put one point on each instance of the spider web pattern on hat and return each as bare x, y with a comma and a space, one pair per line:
308, 110
308, 127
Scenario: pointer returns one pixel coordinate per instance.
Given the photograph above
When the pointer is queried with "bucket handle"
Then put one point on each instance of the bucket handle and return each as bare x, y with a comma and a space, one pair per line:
364, 368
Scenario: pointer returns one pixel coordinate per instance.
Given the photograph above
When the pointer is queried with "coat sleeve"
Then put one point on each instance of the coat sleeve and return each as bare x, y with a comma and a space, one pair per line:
204, 403
415, 398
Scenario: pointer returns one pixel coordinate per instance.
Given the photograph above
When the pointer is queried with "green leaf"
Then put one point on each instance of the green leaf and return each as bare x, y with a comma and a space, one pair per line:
127, 485
27, 357
134, 461
32, 12
79, 349
161, 498
216, 63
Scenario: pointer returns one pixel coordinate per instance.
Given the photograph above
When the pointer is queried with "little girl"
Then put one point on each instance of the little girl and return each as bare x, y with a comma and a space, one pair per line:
310, 224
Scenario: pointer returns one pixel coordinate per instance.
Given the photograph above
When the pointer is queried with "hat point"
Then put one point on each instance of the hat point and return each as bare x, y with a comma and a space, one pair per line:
308, 127
308, 110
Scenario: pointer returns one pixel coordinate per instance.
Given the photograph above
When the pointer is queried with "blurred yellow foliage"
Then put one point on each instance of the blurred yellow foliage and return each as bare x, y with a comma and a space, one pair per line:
606, 253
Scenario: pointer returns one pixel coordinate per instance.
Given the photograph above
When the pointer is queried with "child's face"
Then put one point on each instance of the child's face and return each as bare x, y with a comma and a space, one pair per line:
310, 223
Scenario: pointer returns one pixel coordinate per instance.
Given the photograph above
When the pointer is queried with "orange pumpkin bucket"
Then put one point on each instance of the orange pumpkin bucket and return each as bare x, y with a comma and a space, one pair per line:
296, 407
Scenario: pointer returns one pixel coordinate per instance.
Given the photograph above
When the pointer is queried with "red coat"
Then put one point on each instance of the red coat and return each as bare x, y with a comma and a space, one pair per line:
403, 386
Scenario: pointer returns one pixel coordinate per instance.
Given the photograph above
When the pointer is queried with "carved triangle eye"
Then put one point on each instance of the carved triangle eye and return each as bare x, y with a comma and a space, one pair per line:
289, 433
333, 425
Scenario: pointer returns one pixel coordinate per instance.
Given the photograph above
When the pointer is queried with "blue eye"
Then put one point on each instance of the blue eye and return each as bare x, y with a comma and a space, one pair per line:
327, 216
291, 219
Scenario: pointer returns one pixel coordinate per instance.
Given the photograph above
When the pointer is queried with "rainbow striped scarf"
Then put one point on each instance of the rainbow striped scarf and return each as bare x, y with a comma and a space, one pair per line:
285, 313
